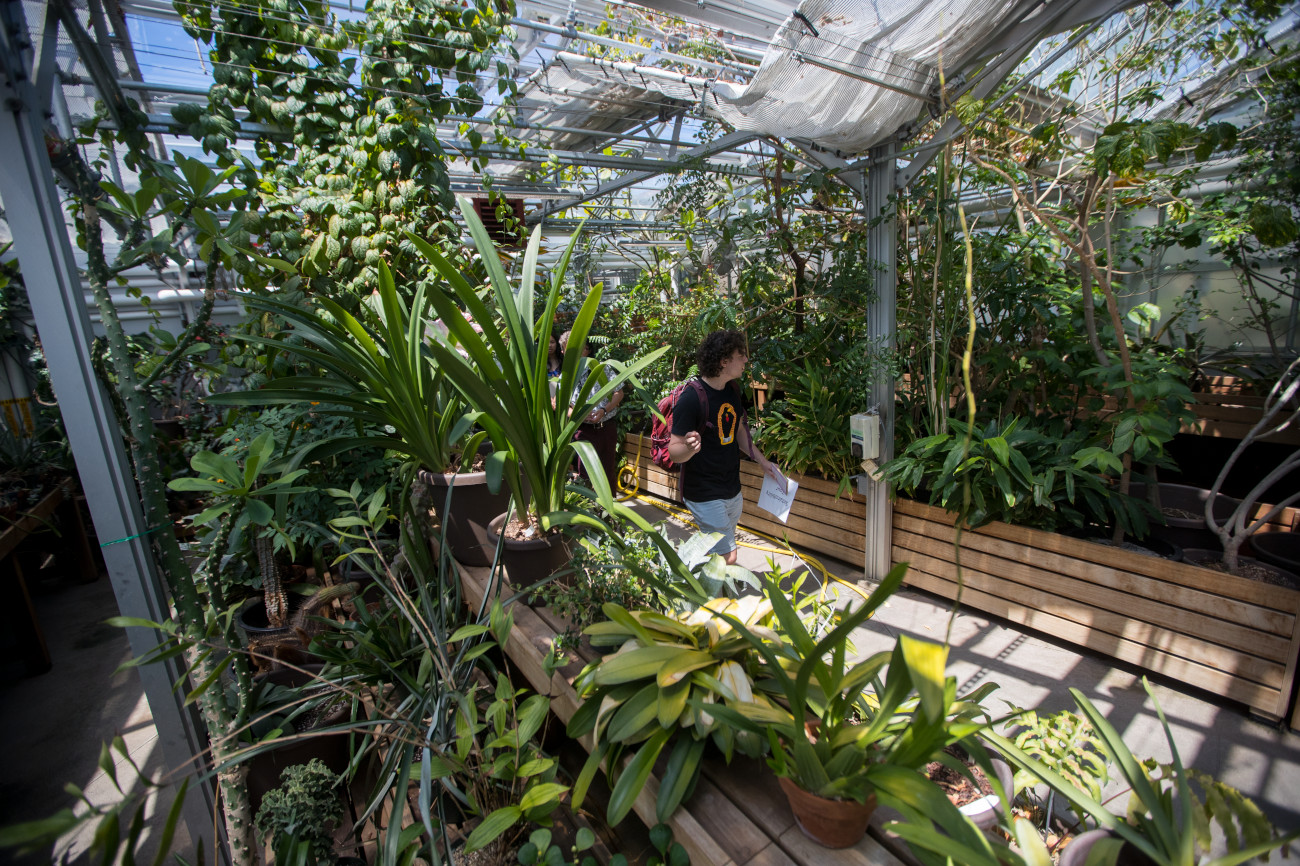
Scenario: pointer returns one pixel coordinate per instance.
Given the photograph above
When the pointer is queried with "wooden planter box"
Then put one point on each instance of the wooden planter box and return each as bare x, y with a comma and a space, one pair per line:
819, 521
1228, 635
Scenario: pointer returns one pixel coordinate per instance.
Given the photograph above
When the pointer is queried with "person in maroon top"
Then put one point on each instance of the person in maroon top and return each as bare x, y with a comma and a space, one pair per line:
600, 427
707, 441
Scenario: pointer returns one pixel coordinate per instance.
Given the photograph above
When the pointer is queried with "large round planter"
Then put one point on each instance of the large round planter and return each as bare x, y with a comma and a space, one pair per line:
1281, 576
1188, 531
831, 823
1155, 546
472, 507
531, 560
265, 768
1281, 549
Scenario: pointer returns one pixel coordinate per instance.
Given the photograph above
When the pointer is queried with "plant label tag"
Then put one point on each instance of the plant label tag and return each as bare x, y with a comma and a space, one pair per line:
776, 497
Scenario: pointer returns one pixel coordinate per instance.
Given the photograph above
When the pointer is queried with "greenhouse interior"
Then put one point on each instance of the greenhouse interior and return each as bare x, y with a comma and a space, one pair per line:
717, 433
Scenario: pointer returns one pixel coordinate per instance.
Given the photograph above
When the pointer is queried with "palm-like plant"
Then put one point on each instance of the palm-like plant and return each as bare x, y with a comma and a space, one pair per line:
500, 368
382, 372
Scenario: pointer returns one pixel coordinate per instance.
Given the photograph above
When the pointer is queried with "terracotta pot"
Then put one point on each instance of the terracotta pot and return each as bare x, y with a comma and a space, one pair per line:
472, 507
531, 560
832, 823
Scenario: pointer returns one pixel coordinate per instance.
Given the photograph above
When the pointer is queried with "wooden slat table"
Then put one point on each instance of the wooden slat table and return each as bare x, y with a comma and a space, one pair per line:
40, 516
737, 815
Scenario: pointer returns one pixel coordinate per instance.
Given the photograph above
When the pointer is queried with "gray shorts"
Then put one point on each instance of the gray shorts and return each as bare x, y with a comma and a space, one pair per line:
719, 515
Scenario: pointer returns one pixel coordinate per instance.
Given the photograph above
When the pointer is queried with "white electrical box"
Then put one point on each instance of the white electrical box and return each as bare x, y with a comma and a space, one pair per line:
864, 436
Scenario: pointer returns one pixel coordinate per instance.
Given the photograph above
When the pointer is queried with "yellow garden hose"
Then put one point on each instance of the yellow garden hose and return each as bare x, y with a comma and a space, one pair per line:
629, 487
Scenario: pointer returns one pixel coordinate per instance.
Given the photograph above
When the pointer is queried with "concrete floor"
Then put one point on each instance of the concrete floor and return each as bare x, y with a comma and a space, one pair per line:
53, 724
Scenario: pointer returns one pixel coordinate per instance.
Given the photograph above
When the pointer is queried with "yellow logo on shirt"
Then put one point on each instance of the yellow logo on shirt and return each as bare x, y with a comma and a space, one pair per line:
727, 419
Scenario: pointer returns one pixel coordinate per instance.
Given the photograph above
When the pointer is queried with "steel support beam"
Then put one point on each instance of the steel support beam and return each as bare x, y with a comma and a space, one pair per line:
727, 142
881, 327
54, 289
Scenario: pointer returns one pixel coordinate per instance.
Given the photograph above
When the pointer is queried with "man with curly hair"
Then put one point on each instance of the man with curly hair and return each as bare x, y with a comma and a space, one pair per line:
707, 440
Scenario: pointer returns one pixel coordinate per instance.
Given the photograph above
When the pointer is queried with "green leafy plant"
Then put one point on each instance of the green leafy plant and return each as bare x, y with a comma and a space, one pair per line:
794, 431
495, 763
878, 722
422, 654
502, 371
1166, 819
379, 369
299, 816
236, 496
1016, 474
602, 572
1067, 743
540, 851
669, 672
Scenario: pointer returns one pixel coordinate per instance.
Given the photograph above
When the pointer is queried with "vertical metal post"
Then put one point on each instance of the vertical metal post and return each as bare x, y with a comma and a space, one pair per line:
881, 325
55, 291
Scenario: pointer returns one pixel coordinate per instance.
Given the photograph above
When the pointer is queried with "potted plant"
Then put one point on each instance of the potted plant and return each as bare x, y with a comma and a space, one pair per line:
495, 353
839, 733
298, 818
1167, 821
381, 371
237, 496
668, 675
602, 572
466, 751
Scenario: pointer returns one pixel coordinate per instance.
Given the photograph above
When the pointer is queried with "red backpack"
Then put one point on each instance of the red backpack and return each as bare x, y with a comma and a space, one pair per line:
662, 431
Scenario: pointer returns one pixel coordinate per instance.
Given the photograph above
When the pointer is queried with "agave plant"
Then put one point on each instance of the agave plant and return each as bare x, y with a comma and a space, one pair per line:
495, 353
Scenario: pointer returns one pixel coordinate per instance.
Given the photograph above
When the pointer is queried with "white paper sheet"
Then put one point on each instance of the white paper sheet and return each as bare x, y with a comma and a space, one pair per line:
776, 497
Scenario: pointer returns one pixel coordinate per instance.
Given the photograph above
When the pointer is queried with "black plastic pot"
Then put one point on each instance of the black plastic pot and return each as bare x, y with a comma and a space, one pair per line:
265, 768
1187, 532
1280, 549
1155, 546
469, 511
252, 616
1283, 577
532, 560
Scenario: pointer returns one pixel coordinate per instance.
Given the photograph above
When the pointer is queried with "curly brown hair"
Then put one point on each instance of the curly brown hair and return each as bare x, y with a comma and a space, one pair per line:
717, 348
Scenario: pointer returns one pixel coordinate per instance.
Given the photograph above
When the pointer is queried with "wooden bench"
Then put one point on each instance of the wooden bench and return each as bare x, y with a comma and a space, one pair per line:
737, 815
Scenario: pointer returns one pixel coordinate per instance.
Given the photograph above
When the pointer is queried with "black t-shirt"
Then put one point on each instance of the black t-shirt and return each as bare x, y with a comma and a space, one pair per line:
713, 473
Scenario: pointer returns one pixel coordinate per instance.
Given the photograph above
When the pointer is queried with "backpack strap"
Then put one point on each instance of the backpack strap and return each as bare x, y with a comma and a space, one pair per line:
703, 397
